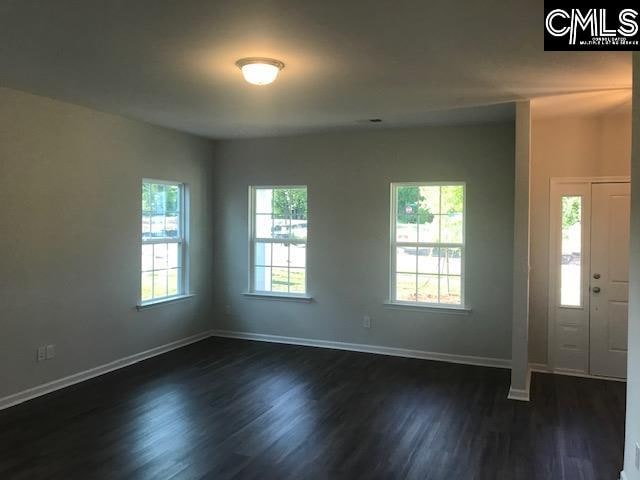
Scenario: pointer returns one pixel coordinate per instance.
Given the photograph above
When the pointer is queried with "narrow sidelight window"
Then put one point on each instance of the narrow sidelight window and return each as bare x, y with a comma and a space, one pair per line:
163, 241
571, 260
427, 243
278, 254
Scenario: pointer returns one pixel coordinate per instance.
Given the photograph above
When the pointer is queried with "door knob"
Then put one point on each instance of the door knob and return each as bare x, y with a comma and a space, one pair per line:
596, 289
596, 276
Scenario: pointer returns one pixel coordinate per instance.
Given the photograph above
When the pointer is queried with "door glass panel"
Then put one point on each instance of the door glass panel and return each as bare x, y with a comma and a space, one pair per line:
571, 255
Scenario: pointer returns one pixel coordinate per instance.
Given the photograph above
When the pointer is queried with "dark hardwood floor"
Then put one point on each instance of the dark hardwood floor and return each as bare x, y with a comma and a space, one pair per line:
233, 409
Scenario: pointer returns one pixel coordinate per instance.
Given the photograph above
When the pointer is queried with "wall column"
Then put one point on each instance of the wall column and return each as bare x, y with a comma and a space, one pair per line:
520, 375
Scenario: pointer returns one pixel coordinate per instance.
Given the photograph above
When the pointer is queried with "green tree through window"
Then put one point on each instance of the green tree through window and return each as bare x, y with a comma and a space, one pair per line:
414, 205
290, 203
570, 211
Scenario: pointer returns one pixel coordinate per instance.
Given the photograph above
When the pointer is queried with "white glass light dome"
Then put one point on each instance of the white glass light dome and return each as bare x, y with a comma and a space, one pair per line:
260, 71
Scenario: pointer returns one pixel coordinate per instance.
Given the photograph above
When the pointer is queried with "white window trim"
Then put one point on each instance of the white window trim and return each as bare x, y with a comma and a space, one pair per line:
462, 306
183, 248
435, 308
270, 295
278, 296
162, 301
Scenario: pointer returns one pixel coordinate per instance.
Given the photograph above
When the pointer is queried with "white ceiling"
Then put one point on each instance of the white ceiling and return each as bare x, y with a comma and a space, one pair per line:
171, 62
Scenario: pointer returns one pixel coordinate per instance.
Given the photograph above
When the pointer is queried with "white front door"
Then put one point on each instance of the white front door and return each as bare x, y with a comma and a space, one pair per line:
609, 279
588, 277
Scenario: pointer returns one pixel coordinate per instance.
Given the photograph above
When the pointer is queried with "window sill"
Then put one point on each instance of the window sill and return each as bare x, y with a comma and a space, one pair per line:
163, 301
453, 310
273, 296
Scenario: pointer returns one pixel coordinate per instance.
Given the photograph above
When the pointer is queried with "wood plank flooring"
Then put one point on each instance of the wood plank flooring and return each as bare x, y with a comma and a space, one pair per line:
234, 409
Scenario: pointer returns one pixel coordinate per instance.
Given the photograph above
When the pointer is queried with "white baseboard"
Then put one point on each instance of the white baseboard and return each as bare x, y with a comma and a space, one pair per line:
544, 368
522, 395
539, 367
43, 389
518, 394
358, 347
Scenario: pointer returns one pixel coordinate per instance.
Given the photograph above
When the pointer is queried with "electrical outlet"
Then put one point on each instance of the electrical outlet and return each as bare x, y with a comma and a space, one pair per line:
637, 456
51, 351
42, 354
366, 321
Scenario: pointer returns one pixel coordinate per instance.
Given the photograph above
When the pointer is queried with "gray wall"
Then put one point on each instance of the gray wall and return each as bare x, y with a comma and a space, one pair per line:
69, 236
572, 146
348, 176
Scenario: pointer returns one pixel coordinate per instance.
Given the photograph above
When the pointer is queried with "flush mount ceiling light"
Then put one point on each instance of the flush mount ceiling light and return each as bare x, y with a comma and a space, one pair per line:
260, 71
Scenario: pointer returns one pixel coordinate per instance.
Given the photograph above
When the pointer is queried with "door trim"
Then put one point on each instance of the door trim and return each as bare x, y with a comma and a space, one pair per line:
553, 272
590, 180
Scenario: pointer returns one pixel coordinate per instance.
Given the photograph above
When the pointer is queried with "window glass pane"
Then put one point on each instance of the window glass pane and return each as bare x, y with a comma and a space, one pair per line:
430, 199
172, 281
262, 253
281, 204
160, 283
146, 286
290, 203
298, 203
147, 204
429, 229
428, 288
172, 225
280, 254
160, 256
408, 198
451, 261
147, 258
280, 279
172, 198
157, 225
571, 260
264, 199
406, 259
407, 208
449, 289
406, 287
451, 228
264, 226
297, 255
281, 228
172, 255
428, 260
452, 198
146, 225
158, 198
407, 228
262, 279
299, 229
297, 280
